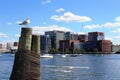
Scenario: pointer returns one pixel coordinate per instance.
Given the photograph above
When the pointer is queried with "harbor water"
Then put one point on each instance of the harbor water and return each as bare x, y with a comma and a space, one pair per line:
81, 67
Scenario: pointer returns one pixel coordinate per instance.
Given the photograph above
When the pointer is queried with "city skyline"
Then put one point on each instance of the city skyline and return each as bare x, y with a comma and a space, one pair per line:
76, 16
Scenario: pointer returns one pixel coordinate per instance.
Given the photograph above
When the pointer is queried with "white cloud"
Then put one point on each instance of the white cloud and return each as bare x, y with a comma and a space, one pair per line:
111, 25
118, 37
117, 30
17, 35
81, 33
60, 10
117, 19
108, 38
116, 40
46, 2
9, 23
92, 26
42, 29
105, 25
2, 35
7, 41
70, 17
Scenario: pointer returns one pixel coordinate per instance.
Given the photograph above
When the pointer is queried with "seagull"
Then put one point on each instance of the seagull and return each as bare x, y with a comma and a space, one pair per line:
25, 23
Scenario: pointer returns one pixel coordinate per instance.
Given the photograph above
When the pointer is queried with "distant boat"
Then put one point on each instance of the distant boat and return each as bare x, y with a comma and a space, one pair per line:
80, 54
46, 56
63, 55
73, 55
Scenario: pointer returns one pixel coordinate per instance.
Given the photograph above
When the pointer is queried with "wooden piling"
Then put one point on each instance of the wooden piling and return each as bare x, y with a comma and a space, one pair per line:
25, 39
35, 43
35, 63
27, 62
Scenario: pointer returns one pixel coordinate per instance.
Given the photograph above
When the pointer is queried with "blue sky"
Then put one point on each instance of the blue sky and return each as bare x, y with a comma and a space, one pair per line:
65, 15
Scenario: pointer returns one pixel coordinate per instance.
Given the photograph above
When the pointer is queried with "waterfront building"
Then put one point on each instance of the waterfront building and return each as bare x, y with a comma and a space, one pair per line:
69, 44
90, 45
100, 45
95, 36
83, 37
2, 46
9, 45
15, 44
104, 46
55, 36
71, 36
45, 43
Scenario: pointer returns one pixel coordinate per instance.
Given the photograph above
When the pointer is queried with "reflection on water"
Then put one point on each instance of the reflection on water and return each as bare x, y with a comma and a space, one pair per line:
85, 67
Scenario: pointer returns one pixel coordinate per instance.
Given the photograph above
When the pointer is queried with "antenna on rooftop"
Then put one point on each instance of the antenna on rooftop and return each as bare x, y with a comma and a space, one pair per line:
81, 29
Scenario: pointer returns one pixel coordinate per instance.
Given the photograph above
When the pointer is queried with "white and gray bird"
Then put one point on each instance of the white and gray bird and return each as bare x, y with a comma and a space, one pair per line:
25, 23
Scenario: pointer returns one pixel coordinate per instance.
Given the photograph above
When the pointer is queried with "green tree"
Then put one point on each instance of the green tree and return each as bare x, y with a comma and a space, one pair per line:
81, 51
67, 50
56, 50
52, 51
76, 50
95, 50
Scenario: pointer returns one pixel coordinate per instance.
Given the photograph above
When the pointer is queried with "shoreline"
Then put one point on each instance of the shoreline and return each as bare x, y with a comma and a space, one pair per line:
4, 51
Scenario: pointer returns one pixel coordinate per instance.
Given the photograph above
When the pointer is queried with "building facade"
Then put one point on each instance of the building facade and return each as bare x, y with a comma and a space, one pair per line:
82, 37
70, 36
69, 44
2, 46
100, 45
95, 36
45, 43
104, 46
55, 36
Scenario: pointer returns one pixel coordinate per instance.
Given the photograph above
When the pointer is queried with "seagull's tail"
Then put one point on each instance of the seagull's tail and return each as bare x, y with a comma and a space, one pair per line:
20, 24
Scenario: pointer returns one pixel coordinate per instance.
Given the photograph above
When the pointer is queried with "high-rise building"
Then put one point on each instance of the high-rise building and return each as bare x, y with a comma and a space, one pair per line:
82, 37
95, 36
55, 36
45, 43
71, 36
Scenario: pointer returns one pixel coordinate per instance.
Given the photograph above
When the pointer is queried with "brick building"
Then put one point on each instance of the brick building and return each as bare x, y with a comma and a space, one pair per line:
68, 44
104, 46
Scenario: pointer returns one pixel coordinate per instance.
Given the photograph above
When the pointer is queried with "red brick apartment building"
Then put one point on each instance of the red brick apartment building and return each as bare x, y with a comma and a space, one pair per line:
105, 45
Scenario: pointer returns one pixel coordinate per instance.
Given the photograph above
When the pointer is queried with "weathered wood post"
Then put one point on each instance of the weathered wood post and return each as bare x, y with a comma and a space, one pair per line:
25, 39
35, 43
35, 59
27, 63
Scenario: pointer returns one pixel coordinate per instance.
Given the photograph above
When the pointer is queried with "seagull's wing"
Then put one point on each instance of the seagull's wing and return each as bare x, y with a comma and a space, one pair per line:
23, 23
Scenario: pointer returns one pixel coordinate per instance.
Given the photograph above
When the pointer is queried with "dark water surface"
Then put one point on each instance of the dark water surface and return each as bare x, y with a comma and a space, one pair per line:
85, 67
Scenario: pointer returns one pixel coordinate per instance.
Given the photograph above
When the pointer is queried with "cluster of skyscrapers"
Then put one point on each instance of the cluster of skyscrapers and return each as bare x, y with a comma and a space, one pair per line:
66, 40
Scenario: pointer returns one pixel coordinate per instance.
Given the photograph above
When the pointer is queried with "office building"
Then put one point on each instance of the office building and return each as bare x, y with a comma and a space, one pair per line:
95, 36
71, 36
55, 36
82, 37
45, 43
